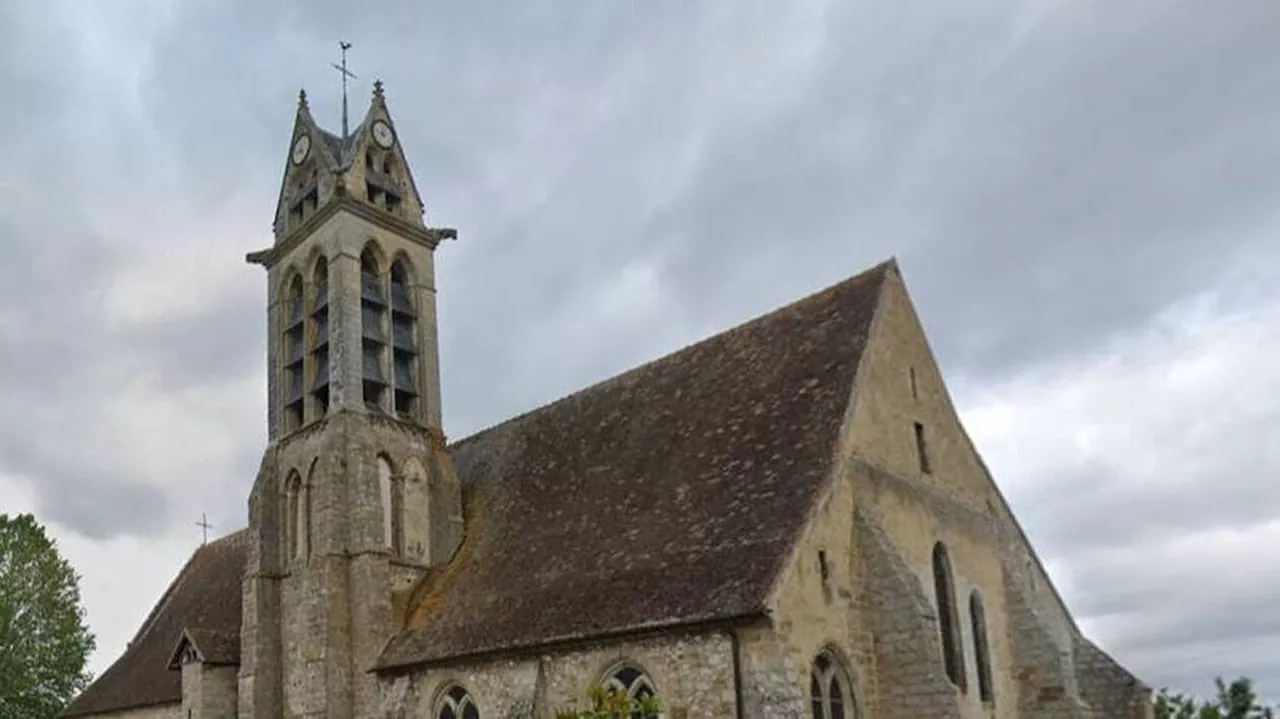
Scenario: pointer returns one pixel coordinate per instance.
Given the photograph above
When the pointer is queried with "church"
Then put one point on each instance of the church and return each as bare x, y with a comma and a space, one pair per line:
784, 520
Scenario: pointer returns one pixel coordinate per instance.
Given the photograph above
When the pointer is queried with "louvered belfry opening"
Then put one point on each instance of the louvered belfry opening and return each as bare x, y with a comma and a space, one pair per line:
373, 334
293, 354
404, 348
320, 338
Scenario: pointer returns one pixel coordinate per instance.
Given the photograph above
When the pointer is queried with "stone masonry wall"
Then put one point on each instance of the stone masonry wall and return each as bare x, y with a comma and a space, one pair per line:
908, 650
692, 672
769, 674
945, 492
343, 575
1043, 669
208, 691
819, 607
908, 521
1108, 686
260, 640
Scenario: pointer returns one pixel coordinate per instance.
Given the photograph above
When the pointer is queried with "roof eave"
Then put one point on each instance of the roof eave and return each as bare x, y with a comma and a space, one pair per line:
689, 626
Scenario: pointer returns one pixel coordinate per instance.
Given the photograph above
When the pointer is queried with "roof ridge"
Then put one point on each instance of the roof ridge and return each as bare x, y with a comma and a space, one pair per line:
182, 575
865, 275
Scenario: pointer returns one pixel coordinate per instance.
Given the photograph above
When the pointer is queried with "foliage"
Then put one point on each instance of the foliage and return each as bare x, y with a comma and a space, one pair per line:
44, 643
1236, 700
612, 704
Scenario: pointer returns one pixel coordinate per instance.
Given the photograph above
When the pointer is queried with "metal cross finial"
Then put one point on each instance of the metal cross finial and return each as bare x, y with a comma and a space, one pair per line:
204, 526
345, 74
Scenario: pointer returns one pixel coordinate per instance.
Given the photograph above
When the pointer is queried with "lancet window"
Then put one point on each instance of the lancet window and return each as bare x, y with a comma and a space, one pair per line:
948, 619
981, 647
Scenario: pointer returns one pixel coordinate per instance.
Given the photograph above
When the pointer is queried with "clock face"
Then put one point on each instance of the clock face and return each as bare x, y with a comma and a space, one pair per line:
382, 134
301, 148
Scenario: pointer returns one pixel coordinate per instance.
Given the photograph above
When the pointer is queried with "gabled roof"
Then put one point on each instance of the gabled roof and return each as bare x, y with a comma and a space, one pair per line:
211, 646
669, 495
204, 599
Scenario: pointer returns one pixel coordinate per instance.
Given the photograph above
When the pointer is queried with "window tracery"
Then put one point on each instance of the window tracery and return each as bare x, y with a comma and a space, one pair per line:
830, 690
456, 703
631, 681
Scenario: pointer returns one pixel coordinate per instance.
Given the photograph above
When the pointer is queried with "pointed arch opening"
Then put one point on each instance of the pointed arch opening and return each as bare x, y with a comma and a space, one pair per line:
293, 352
404, 330
320, 337
416, 494
831, 694
630, 680
373, 333
981, 647
948, 619
391, 490
294, 520
456, 703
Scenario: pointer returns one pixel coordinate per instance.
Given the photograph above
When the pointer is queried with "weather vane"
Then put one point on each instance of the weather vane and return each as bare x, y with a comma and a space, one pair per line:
345, 74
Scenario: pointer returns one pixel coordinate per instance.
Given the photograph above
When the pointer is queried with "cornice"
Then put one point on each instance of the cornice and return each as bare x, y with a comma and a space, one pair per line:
429, 237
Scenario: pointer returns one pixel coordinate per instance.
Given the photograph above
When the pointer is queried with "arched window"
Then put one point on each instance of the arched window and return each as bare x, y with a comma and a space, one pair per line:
948, 620
292, 353
392, 492
830, 690
404, 346
294, 521
629, 680
981, 649
320, 338
456, 703
373, 334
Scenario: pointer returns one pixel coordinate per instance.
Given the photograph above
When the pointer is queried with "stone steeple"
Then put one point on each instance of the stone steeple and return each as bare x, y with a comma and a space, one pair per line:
356, 497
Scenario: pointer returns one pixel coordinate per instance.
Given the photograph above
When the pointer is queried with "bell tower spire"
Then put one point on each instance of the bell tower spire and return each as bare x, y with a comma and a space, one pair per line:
356, 497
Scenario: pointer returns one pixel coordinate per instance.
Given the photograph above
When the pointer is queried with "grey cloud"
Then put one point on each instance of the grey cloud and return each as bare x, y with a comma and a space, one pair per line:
54, 368
221, 343
1091, 172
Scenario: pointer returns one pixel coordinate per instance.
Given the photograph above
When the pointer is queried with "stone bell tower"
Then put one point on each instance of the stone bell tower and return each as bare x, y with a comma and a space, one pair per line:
355, 498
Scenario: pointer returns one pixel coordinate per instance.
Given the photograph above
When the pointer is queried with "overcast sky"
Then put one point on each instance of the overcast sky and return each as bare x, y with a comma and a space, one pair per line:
1084, 196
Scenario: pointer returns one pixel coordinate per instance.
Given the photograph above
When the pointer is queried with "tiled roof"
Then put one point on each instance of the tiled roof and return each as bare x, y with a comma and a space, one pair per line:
668, 495
205, 598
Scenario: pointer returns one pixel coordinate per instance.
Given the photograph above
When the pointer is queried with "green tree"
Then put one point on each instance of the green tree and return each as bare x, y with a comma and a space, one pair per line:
612, 704
1237, 700
44, 643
